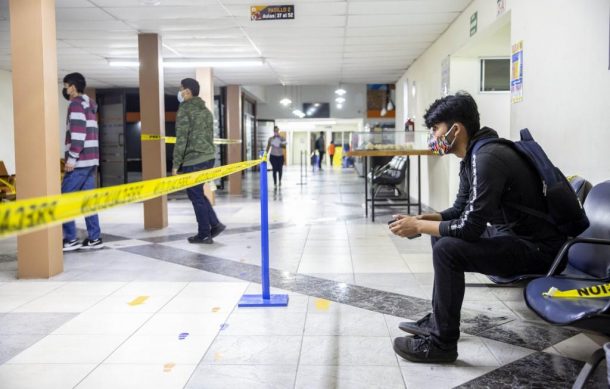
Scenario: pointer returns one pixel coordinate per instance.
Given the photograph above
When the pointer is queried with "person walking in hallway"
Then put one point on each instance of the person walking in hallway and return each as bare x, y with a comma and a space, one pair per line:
82, 158
331, 152
276, 155
320, 147
194, 151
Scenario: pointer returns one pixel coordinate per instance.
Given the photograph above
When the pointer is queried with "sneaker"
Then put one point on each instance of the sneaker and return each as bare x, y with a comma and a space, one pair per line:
196, 239
71, 245
96, 244
423, 349
217, 230
421, 327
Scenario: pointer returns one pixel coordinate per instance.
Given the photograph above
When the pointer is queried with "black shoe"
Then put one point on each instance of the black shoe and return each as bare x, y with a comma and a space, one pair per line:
89, 244
200, 240
421, 327
423, 349
71, 245
217, 230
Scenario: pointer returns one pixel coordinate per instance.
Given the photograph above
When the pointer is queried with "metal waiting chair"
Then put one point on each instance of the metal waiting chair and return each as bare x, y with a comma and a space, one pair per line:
582, 262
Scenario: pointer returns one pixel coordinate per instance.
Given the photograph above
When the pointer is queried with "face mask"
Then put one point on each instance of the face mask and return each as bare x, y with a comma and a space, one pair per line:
441, 146
64, 92
180, 98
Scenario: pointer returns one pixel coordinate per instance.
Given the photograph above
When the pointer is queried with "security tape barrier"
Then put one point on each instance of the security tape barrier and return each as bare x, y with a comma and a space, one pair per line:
172, 139
28, 215
595, 291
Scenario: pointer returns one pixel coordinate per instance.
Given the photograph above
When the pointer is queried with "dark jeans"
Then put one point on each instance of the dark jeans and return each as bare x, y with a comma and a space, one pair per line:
206, 217
277, 162
501, 256
331, 159
320, 160
83, 178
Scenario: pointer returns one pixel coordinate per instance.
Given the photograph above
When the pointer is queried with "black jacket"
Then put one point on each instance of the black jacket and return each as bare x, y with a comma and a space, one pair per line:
497, 175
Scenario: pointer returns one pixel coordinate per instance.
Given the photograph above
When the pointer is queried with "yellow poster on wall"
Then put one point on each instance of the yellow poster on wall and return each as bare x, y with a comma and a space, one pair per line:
516, 76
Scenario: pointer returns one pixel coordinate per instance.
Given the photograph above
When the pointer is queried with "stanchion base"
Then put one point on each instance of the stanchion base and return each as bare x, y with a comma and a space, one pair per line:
257, 300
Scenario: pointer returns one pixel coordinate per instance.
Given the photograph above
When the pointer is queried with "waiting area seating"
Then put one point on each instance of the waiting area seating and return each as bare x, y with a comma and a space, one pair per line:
583, 262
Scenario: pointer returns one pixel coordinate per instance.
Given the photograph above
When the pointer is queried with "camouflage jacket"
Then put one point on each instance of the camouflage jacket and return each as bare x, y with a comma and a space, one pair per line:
194, 134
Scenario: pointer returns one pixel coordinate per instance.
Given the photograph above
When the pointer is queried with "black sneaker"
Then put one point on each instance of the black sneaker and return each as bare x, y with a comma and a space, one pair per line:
422, 349
421, 327
96, 244
71, 245
217, 230
196, 239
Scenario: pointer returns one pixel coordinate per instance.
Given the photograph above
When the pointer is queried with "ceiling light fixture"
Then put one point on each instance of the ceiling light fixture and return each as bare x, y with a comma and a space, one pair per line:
192, 62
340, 100
340, 91
285, 101
339, 106
299, 113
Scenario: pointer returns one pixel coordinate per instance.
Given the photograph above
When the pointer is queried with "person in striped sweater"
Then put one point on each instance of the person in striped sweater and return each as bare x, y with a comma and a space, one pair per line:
82, 157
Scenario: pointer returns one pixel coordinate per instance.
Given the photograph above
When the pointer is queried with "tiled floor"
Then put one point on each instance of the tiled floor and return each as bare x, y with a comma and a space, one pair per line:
153, 311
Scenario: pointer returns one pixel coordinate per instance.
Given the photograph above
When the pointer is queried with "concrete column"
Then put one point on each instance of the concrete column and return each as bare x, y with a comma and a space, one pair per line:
152, 113
234, 131
205, 77
35, 108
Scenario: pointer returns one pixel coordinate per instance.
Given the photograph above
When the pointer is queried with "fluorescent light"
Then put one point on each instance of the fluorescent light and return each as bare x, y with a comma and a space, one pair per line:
299, 113
192, 62
340, 91
339, 106
222, 63
285, 101
316, 105
340, 100
124, 62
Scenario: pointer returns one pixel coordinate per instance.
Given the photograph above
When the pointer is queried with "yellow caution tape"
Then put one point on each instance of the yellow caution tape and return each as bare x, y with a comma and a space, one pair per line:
590, 292
9, 186
172, 139
31, 214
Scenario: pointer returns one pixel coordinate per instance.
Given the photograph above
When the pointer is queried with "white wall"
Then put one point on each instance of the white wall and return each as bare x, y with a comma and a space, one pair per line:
7, 137
566, 85
439, 182
7, 134
354, 106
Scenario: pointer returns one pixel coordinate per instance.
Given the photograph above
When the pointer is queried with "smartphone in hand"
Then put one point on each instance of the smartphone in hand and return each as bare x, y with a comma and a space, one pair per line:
408, 237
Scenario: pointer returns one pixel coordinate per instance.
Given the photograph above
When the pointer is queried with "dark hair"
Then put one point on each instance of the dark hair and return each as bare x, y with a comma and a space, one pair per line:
192, 85
76, 79
276, 128
460, 107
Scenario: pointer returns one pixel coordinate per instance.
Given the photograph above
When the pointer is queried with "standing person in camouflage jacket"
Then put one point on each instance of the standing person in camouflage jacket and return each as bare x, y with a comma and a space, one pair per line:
194, 151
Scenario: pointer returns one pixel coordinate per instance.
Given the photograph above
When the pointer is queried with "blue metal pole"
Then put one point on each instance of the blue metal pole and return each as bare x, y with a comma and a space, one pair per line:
264, 232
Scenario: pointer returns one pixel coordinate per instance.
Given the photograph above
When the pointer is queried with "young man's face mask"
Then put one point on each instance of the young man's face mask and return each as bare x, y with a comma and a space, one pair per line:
65, 93
441, 145
180, 97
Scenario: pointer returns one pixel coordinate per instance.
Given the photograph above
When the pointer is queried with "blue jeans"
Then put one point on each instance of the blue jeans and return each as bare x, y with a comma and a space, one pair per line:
75, 181
206, 217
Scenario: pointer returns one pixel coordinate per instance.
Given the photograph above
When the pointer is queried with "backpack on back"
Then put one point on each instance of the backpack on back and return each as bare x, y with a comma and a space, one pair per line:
564, 210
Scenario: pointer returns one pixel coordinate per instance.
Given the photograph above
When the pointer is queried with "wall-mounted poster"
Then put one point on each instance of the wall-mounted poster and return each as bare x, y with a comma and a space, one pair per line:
516, 76
271, 12
380, 101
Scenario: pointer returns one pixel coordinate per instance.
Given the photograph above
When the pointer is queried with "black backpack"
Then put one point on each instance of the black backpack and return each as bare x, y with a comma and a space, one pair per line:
564, 209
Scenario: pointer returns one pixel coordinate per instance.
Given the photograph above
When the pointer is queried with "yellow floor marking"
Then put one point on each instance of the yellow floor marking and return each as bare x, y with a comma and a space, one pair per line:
322, 304
138, 300
167, 368
215, 309
217, 356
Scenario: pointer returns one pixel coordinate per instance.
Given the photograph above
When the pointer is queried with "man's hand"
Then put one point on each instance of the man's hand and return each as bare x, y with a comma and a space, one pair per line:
174, 172
404, 226
68, 167
430, 216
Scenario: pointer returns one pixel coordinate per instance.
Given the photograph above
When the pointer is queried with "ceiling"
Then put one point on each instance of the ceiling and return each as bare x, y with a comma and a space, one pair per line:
328, 42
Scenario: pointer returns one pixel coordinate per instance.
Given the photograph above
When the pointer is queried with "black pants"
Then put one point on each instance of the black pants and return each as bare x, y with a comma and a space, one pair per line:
320, 160
206, 217
331, 159
501, 256
277, 161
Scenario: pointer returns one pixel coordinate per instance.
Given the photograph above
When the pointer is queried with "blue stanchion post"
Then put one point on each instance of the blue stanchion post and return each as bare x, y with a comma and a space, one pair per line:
266, 299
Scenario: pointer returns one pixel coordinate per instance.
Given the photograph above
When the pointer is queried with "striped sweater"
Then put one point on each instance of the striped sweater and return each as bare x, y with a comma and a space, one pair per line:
82, 145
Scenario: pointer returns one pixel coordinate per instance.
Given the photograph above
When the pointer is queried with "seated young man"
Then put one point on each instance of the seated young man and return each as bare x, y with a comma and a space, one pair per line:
462, 241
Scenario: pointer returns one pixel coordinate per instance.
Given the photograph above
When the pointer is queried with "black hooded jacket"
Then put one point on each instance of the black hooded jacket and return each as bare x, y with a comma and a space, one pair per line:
495, 176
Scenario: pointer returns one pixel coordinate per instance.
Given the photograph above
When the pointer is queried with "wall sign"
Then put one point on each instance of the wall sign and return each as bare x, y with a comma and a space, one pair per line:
445, 76
271, 12
473, 23
516, 75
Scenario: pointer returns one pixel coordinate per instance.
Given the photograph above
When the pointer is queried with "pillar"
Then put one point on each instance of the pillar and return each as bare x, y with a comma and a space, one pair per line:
35, 108
206, 91
152, 116
234, 131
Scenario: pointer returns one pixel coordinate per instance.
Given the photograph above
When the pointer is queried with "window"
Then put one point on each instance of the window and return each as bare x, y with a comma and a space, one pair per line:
495, 74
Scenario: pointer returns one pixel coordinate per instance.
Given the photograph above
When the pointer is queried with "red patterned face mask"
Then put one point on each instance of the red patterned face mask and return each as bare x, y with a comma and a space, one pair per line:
441, 145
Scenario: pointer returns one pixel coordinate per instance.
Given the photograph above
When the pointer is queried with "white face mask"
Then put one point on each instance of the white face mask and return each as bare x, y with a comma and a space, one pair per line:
180, 98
